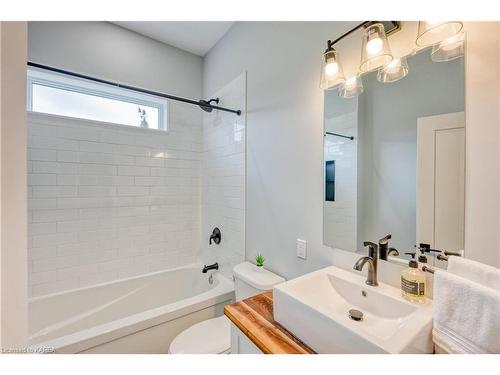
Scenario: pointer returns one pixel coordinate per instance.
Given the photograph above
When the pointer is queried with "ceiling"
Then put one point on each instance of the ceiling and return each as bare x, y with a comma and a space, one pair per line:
192, 36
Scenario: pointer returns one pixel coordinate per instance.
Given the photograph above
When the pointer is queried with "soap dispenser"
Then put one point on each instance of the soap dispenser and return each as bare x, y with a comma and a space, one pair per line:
424, 248
413, 282
422, 259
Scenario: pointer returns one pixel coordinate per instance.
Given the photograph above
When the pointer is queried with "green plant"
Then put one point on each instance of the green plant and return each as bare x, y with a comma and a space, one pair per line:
259, 260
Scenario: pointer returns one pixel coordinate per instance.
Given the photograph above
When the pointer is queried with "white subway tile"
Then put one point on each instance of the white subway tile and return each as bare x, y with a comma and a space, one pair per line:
95, 147
41, 228
42, 155
42, 203
106, 203
132, 190
68, 179
54, 191
97, 169
42, 277
133, 171
68, 156
96, 191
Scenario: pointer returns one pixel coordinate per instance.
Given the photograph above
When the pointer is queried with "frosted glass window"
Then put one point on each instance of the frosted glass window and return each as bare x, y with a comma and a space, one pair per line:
64, 96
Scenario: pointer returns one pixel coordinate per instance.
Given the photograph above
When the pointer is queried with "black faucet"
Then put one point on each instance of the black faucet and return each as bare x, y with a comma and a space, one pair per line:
206, 268
372, 260
393, 251
216, 236
383, 246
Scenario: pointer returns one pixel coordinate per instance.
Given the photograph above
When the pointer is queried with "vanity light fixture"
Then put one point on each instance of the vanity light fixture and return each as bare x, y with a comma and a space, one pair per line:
449, 49
430, 33
352, 87
332, 73
446, 38
375, 51
393, 71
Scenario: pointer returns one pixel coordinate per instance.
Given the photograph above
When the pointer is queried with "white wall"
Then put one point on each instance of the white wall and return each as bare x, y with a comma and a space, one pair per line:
13, 211
108, 202
482, 187
223, 176
285, 139
108, 51
284, 135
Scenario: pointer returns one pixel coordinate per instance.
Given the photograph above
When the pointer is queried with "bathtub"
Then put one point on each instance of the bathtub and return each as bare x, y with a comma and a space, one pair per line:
136, 315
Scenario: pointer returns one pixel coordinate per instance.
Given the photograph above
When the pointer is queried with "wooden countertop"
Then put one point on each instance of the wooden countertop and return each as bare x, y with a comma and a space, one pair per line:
254, 317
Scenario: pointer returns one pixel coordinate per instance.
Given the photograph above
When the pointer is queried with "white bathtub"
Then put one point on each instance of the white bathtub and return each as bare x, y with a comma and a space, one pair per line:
137, 315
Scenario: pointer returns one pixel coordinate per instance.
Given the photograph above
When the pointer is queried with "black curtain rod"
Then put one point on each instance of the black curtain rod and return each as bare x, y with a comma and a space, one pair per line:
138, 89
340, 135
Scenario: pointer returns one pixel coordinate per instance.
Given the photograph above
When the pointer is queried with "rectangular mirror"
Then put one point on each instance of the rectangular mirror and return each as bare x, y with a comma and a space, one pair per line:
394, 160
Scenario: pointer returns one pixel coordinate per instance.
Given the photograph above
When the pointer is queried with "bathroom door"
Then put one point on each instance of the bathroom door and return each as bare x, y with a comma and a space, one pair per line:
441, 181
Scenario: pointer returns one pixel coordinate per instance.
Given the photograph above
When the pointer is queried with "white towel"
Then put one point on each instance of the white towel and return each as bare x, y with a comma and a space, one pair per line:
466, 315
478, 272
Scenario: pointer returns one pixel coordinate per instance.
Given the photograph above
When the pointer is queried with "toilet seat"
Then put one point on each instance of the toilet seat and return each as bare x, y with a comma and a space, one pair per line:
212, 336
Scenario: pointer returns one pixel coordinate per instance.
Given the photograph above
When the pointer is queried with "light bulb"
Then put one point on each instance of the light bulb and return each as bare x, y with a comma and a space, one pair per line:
450, 43
350, 82
374, 46
352, 87
331, 69
393, 71
393, 66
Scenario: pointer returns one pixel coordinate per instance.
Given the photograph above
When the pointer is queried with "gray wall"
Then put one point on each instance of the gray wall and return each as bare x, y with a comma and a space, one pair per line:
284, 135
108, 51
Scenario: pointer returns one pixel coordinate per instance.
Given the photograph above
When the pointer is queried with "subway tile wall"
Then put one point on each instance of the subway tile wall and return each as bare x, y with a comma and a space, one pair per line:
108, 202
340, 217
223, 178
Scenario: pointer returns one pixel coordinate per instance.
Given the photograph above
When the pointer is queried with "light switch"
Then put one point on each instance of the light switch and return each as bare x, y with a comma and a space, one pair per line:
301, 248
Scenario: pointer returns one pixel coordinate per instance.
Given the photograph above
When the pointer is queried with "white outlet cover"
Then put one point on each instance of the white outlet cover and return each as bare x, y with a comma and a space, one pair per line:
301, 248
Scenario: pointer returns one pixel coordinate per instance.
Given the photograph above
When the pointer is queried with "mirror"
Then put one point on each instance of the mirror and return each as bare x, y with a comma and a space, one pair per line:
403, 170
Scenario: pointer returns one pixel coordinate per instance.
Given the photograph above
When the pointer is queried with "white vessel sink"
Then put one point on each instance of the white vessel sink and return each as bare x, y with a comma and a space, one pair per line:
315, 308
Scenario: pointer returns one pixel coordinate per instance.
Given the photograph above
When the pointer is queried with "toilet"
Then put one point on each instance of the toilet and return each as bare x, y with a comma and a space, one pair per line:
213, 336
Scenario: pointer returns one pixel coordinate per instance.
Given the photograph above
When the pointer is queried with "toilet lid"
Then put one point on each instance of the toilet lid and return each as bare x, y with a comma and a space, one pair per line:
212, 336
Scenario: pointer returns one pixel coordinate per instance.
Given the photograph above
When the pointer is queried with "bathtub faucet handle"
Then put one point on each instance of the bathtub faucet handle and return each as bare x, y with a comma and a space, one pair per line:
206, 268
216, 236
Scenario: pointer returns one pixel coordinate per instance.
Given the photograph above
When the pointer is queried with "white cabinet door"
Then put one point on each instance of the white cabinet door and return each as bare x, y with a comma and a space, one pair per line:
240, 344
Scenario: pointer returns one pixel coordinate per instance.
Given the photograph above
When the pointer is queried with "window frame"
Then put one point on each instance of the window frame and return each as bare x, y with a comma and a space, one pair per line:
78, 85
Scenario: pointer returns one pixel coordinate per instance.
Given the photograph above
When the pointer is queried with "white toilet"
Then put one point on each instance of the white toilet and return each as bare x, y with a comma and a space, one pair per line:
213, 336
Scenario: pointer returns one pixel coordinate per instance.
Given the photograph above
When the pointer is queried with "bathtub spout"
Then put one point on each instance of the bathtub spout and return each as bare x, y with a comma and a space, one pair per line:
214, 266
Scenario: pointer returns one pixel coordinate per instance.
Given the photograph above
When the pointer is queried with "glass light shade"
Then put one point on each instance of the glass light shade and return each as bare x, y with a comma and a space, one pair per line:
450, 49
393, 71
430, 33
332, 73
375, 51
352, 87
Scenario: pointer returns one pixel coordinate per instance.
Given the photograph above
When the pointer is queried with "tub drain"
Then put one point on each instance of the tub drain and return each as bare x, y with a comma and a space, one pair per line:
355, 315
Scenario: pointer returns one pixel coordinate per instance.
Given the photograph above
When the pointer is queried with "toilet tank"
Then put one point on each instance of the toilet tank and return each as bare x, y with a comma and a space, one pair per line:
250, 280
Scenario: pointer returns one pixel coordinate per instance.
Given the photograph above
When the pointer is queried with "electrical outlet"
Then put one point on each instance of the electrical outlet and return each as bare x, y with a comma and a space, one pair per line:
301, 248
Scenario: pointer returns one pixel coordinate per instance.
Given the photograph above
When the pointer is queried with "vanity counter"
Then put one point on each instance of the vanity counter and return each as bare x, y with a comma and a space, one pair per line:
254, 317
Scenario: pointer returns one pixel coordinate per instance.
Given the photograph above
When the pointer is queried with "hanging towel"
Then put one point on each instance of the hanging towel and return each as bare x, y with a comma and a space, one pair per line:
466, 315
478, 272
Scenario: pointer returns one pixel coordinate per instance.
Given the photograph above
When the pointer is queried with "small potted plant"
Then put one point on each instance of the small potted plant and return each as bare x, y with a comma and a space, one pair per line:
259, 260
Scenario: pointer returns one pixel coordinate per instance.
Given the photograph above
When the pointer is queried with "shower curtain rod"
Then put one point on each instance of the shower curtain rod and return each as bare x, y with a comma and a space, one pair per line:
340, 135
138, 89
